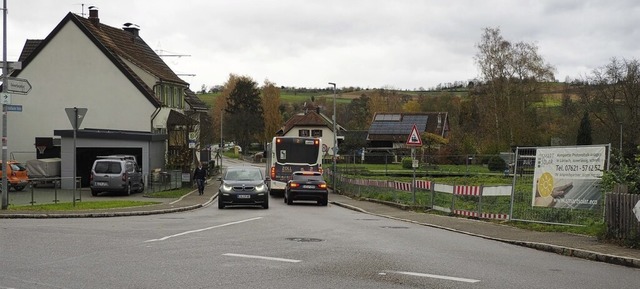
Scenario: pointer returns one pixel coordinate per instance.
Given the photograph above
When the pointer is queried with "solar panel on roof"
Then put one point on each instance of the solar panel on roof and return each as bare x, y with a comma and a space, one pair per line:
388, 117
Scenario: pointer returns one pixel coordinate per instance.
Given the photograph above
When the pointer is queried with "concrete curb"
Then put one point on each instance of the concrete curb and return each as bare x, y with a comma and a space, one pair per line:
108, 214
572, 252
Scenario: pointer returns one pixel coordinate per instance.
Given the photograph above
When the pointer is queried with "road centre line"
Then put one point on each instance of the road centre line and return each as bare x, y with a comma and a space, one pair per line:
262, 257
436, 276
203, 229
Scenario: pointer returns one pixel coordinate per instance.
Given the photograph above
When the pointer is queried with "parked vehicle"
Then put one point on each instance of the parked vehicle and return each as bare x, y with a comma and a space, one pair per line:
43, 171
115, 175
307, 186
17, 177
119, 157
243, 185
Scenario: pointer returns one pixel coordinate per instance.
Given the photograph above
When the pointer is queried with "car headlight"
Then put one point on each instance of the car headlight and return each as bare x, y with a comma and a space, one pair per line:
261, 188
226, 188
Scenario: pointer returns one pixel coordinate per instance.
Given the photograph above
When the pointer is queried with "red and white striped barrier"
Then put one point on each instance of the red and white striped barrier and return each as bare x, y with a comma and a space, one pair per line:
482, 216
425, 185
467, 190
403, 186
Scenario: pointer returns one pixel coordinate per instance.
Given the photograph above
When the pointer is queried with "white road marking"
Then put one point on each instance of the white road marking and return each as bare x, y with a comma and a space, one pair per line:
203, 229
262, 257
436, 276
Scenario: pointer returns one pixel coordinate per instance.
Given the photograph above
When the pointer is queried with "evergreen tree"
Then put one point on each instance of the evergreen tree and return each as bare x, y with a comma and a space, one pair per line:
244, 112
584, 131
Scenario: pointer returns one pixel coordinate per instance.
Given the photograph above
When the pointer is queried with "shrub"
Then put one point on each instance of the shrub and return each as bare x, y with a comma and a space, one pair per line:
496, 164
407, 163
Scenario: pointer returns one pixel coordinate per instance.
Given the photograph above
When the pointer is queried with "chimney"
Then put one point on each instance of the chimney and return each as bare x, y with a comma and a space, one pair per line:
131, 28
93, 15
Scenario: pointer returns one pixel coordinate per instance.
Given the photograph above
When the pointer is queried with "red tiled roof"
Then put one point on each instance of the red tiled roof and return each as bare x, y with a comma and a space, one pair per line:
119, 46
131, 47
311, 118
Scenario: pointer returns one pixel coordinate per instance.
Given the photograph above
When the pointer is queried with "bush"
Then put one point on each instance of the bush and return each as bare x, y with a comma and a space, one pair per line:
407, 163
496, 164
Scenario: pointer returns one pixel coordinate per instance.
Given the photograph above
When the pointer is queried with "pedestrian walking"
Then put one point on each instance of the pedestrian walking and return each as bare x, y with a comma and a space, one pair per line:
199, 176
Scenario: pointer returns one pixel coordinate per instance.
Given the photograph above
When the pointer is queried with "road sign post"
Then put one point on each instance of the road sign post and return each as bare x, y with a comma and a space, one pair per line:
5, 71
414, 140
76, 116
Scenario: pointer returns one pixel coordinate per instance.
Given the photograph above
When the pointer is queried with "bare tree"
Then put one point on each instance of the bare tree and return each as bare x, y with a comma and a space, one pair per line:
511, 75
612, 95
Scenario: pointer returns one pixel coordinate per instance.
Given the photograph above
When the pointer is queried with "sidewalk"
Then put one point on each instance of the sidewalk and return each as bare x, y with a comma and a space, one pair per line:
580, 246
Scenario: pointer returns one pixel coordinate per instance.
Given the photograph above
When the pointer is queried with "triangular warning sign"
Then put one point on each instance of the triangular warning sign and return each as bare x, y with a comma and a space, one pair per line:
414, 137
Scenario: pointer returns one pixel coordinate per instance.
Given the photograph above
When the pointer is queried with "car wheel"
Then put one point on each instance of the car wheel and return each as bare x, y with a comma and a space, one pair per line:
141, 188
323, 202
265, 205
220, 204
94, 193
289, 201
18, 188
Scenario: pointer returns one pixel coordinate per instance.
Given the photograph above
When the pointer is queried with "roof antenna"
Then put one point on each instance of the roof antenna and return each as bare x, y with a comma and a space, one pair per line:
82, 9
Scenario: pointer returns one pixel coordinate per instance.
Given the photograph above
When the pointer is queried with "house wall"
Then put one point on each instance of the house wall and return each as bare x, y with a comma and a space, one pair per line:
72, 72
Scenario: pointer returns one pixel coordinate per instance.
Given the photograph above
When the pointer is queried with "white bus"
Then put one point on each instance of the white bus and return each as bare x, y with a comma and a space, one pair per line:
286, 155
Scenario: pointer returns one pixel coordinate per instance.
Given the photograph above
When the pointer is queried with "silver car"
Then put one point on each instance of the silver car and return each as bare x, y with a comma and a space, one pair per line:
116, 175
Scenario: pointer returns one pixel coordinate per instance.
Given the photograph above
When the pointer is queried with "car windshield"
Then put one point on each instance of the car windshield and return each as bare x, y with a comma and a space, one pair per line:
18, 167
243, 175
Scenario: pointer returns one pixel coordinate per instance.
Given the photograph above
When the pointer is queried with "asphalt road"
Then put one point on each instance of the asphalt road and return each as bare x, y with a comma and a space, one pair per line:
299, 246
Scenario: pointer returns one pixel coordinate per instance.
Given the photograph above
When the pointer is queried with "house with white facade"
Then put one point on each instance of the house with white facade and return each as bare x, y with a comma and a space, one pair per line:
135, 103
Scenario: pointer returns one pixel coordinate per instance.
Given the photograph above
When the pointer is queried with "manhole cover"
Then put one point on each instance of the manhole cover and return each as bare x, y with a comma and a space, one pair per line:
395, 227
304, 239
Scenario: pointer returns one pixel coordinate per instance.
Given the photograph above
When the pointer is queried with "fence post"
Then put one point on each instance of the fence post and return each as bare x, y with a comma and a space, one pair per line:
480, 201
55, 191
31, 186
453, 198
433, 192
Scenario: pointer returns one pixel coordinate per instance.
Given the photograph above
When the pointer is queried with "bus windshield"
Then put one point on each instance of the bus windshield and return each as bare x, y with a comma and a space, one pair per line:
297, 151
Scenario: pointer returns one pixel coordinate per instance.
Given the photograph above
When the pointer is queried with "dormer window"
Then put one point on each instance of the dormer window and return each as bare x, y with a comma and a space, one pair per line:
170, 95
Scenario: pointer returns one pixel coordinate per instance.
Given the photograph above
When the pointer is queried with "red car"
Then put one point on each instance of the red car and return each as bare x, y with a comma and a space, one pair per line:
306, 186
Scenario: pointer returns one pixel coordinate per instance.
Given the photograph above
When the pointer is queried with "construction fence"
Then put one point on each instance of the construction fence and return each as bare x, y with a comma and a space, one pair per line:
561, 188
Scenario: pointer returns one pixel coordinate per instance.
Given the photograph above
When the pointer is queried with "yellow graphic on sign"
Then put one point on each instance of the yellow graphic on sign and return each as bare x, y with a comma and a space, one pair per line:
545, 184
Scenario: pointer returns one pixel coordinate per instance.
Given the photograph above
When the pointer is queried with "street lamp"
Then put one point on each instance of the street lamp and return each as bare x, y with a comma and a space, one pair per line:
621, 138
335, 138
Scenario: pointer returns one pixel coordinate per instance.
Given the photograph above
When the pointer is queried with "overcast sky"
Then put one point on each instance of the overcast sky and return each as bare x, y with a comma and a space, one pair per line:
403, 44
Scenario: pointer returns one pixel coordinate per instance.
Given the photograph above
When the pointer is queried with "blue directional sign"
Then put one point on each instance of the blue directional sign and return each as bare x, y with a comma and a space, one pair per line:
14, 107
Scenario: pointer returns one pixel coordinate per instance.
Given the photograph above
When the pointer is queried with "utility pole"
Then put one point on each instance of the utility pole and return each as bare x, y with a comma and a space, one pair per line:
5, 77
335, 139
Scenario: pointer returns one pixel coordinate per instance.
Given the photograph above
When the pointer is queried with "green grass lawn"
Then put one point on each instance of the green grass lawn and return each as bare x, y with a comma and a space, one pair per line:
81, 206
104, 205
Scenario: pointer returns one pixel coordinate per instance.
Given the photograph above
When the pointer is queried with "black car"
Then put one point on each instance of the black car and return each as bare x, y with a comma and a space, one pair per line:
306, 186
243, 185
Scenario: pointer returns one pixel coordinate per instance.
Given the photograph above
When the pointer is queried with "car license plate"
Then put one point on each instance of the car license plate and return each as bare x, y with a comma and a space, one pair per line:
244, 196
309, 186
100, 184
